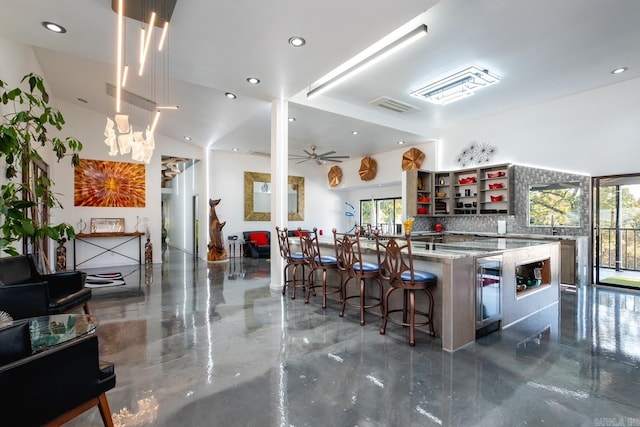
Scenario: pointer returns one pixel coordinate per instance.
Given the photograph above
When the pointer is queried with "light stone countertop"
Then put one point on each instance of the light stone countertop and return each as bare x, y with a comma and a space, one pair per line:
442, 251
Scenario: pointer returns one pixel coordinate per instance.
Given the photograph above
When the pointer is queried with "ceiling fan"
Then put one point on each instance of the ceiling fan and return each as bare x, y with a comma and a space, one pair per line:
318, 158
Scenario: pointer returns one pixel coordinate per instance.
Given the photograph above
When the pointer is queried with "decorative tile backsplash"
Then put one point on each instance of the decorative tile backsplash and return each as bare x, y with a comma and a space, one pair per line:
524, 177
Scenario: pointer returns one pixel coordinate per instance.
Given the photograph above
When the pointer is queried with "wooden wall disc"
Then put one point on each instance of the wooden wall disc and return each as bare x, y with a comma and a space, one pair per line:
368, 168
412, 159
335, 176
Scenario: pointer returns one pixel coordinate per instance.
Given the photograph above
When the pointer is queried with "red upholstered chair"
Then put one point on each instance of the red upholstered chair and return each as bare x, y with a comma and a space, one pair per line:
257, 244
351, 262
396, 267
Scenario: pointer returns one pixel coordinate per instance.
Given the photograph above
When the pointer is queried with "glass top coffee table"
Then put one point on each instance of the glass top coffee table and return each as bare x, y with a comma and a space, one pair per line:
49, 331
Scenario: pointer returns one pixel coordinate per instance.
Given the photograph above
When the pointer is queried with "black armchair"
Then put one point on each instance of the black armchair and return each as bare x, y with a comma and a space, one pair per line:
24, 292
257, 244
54, 386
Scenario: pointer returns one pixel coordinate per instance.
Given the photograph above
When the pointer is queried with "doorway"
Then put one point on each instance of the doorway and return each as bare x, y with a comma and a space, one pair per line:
616, 231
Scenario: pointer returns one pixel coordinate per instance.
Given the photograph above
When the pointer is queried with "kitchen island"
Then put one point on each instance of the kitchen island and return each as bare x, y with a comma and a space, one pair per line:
463, 282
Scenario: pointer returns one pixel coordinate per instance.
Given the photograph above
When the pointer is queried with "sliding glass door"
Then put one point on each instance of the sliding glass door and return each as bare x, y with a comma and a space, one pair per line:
616, 233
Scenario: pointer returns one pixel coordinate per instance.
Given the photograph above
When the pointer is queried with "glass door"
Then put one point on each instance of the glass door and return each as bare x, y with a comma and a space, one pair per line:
616, 233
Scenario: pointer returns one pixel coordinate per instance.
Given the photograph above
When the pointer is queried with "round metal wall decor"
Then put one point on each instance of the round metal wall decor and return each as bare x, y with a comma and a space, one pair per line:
412, 159
368, 169
335, 176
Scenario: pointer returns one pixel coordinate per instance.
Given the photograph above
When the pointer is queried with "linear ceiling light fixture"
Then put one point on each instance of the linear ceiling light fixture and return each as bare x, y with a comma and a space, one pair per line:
412, 36
456, 86
119, 133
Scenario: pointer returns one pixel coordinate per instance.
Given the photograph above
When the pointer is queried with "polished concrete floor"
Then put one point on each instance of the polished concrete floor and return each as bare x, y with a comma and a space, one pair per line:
198, 344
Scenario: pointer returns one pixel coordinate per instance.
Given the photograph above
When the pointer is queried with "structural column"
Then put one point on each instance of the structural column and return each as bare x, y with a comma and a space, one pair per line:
279, 184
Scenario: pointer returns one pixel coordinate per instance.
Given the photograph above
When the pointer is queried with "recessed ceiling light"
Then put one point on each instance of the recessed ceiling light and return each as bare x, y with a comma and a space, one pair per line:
619, 70
230, 95
400, 142
354, 132
52, 26
292, 119
235, 149
187, 138
253, 80
297, 41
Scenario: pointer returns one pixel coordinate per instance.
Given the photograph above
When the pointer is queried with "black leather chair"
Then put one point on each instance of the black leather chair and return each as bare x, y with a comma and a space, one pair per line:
25, 292
257, 244
51, 387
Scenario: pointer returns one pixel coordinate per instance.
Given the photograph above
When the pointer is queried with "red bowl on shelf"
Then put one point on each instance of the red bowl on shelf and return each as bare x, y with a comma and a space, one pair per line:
496, 198
422, 211
499, 174
495, 186
468, 180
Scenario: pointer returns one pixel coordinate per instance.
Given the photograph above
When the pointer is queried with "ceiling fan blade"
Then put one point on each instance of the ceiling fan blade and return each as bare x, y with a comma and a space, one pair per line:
301, 161
318, 162
335, 157
308, 153
332, 160
297, 156
326, 154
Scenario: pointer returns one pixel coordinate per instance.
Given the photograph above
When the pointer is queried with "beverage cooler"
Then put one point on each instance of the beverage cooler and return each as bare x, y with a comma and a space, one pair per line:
488, 294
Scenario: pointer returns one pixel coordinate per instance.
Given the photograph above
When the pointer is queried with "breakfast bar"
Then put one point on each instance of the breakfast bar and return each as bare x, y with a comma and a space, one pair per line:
484, 284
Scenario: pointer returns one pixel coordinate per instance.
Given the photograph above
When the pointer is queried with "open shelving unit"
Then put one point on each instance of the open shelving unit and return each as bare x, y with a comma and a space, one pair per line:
478, 191
466, 192
495, 190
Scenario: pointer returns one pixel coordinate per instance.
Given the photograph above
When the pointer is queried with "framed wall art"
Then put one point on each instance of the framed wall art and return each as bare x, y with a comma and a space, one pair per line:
107, 225
100, 183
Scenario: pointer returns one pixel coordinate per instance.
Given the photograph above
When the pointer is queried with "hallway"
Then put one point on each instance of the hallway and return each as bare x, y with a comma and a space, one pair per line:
212, 345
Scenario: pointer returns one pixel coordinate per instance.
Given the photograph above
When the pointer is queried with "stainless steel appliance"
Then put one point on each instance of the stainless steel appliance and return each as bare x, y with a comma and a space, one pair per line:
488, 294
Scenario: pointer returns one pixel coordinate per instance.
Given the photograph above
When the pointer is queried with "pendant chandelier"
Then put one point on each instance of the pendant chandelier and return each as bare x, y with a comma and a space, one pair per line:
120, 135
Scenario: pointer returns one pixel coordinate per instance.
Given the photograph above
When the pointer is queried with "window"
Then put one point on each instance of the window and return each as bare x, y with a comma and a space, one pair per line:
555, 204
382, 214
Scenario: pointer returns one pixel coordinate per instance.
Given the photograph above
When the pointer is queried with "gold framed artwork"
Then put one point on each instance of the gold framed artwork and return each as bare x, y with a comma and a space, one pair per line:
100, 183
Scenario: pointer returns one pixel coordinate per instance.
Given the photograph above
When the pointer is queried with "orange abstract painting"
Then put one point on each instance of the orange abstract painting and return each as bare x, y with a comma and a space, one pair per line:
109, 184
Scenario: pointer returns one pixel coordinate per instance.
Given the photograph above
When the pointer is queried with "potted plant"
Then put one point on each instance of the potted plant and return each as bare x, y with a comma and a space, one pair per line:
24, 134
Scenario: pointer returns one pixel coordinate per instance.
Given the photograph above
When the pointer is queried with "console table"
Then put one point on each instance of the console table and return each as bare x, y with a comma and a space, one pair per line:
90, 238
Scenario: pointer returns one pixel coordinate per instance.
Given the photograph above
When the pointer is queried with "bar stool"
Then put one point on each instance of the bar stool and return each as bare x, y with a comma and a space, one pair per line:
396, 262
350, 261
292, 261
315, 261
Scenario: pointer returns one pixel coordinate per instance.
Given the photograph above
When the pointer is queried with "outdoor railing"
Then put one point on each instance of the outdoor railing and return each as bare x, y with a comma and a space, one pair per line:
629, 248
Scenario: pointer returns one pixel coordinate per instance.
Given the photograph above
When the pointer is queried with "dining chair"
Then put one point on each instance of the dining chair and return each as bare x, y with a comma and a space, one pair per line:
396, 267
292, 260
315, 261
350, 261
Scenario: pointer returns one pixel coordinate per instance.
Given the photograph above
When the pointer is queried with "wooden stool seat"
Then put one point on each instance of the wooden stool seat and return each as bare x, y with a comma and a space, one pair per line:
397, 268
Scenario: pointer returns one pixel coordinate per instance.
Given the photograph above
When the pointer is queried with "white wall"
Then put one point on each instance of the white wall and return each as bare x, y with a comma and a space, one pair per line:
88, 127
595, 133
226, 182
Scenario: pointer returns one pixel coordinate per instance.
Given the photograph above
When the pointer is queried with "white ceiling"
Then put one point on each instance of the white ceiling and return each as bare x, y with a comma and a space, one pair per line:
540, 50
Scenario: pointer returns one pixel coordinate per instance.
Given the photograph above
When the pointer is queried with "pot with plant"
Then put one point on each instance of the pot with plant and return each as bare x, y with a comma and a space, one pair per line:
27, 193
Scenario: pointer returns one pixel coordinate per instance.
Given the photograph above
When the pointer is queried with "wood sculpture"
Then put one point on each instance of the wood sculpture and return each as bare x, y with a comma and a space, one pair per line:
368, 168
412, 159
216, 251
335, 176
